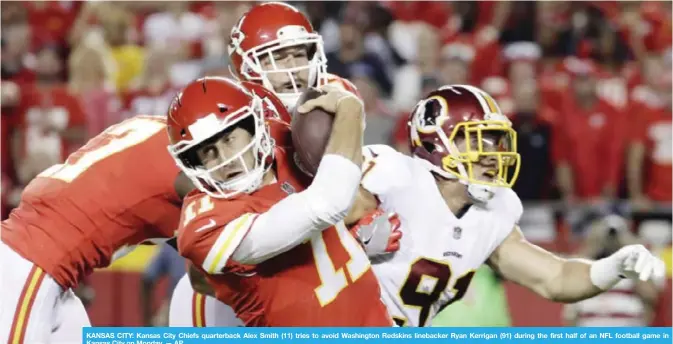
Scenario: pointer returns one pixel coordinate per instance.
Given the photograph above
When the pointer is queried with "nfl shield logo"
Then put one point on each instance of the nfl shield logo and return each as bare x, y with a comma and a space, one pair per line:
457, 231
289, 189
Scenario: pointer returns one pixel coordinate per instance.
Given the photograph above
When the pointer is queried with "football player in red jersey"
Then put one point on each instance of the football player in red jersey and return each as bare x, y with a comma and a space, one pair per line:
273, 244
272, 45
275, 45
119, 190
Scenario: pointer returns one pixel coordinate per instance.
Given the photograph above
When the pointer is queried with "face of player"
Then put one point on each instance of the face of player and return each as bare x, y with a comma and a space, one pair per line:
486, 168
290, 57
227, 146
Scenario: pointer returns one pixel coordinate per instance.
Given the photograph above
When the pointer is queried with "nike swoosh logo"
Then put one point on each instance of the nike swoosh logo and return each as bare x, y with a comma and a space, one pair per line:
210, 225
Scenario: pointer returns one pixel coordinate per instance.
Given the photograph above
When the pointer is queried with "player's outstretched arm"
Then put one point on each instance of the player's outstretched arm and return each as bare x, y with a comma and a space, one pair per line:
365, 203
570, 280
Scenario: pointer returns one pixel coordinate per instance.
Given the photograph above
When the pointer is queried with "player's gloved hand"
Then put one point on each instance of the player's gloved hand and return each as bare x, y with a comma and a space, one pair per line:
632, 261
333, 97
378, 233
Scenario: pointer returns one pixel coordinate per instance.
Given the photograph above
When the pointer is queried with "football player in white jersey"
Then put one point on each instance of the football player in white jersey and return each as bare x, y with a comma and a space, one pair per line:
458, 211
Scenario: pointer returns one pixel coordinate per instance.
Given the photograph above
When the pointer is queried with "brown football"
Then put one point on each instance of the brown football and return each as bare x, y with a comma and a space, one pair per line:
310, 133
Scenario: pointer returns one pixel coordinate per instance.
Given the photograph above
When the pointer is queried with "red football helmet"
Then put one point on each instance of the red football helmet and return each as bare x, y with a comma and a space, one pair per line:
466, 112
207, 108
266, 29
274, 107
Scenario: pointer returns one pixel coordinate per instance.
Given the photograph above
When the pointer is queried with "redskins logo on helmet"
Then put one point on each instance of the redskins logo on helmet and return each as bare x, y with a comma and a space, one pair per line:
458, 126
257, 46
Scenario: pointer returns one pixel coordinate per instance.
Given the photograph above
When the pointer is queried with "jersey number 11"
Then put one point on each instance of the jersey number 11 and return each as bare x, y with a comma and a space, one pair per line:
333, 280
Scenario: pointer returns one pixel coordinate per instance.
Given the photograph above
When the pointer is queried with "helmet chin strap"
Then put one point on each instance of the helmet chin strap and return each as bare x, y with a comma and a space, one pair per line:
480, 193
289, 100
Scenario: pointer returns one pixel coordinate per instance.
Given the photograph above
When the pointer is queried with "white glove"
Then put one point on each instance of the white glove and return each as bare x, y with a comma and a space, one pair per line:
632, 262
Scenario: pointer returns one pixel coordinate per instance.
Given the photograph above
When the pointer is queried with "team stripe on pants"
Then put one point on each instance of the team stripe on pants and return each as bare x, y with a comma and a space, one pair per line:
198, 310
22, 313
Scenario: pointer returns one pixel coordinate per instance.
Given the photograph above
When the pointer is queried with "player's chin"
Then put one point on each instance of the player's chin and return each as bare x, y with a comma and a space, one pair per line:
233, 175
222, 177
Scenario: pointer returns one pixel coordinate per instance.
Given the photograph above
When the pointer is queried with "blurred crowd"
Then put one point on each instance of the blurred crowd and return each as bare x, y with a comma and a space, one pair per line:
587, 85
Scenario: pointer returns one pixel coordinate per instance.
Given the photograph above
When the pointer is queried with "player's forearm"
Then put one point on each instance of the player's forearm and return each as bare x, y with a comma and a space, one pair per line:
346, 136
364, 203
582, 279
298, 217
573, 284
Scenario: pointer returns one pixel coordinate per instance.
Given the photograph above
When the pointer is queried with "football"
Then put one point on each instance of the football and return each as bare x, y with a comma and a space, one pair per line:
310, 133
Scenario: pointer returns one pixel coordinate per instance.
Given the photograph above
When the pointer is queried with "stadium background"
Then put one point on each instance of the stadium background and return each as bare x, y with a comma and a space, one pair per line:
70, 69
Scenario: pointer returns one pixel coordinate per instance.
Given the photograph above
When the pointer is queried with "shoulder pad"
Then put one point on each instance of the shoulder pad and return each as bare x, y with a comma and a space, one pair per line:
384, 169
507, 203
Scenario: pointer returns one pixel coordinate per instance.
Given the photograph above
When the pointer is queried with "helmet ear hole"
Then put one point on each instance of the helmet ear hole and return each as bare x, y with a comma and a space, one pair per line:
429, 147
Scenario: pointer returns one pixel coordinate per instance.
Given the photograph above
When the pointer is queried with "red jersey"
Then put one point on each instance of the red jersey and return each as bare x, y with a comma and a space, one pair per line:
345, 84
325, 281
115, 192
653, 127
592, 142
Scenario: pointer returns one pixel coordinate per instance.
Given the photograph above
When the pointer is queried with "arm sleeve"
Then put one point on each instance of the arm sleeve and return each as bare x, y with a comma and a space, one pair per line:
237, 232
210, 239
296, 218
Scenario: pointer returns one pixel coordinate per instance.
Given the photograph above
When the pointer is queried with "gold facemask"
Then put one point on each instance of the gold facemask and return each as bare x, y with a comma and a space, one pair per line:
505, 152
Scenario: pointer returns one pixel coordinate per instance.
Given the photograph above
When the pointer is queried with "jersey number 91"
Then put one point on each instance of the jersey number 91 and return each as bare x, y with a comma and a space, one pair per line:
440, 272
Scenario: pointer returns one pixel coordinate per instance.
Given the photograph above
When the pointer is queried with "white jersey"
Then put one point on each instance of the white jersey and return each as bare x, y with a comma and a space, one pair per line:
439, 252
